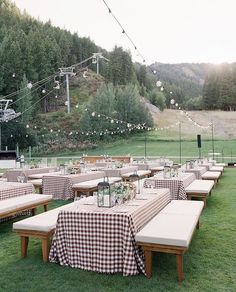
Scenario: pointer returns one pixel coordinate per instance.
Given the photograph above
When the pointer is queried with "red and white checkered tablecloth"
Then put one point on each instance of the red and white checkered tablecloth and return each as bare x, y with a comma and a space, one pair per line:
103, 239
12, 189
176, 185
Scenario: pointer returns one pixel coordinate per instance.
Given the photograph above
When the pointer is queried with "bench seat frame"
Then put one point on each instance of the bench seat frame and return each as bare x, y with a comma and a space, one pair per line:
25, 208
43, 235
179, 251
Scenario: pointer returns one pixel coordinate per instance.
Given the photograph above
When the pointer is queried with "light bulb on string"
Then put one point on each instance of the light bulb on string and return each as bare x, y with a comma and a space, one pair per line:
44, 91
93, 114
29, 85
162, 88
27, 126
14, 75
158, 83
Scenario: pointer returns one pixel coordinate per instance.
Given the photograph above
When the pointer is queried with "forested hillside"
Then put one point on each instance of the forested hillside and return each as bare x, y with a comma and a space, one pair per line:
219, 90
31, 53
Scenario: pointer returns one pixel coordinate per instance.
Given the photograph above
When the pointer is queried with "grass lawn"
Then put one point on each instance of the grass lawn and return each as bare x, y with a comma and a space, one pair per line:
209, 264
159, 146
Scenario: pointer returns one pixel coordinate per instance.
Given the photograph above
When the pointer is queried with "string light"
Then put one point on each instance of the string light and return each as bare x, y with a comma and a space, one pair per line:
124, 32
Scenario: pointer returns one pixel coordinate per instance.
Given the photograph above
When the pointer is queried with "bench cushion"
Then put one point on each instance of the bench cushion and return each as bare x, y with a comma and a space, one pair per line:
44, 222
139, 173
217, 168
169, 229
199, 186
184, 207
174, 225
211, 175
21, 201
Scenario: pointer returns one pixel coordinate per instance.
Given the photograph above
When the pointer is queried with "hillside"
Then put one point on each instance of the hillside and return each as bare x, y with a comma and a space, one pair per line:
189, 77
224, 124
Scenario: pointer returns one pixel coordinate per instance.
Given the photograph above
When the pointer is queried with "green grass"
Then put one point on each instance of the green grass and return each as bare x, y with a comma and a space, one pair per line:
158, 146
209, 264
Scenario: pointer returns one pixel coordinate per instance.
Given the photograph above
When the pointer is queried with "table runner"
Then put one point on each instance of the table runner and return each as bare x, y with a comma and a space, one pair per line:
103, 239
176, 185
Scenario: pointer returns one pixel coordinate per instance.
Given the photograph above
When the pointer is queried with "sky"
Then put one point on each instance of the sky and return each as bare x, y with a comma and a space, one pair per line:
167, 31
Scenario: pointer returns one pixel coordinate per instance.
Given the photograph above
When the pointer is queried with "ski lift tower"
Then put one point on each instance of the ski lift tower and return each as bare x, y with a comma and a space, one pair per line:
6, 115
95, 59
68, 71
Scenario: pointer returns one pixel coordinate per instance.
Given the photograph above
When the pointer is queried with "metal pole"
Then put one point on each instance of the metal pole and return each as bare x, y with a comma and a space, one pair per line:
180, 144
30, 151
0, 136
212, 140
68, 93
97, 65
145, 144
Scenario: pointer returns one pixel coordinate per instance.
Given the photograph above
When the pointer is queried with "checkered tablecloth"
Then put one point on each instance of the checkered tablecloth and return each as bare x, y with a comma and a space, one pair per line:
12, 174
197, 171
103, 239
176, 185
60, 186
207, 165
12, 189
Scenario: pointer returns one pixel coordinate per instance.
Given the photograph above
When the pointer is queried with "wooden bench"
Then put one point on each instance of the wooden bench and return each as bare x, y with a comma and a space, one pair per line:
40, 226
217, 168
199, 189
170, 231
212, 175
12, 206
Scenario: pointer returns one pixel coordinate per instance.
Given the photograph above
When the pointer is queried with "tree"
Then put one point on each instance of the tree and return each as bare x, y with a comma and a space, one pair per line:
157, 98
24, 101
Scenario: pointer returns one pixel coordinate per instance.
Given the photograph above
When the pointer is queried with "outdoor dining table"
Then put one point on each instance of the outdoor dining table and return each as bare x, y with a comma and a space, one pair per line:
61, 186
119, 171
208, 165
13, 174
13, 189
176, 185
40, 175
198, 171
10, 190
103, 239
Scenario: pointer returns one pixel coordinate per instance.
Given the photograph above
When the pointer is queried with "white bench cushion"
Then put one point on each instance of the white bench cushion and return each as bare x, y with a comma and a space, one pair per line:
36, 182
211, 175
169, 229
199, 186
220, 164
183, 207
21, 201
44, 222
216, 168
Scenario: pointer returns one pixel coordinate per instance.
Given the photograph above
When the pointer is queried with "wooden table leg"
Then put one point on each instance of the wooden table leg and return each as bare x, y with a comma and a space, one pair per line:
148, 263
179, 262
45, 249
24, 245
33, 211
45, 207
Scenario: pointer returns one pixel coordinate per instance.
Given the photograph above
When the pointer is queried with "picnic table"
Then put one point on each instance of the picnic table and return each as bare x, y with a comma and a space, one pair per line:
103, 239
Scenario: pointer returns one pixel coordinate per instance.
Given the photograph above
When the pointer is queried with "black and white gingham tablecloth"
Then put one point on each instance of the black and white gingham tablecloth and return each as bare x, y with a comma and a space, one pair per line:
176, 185
103, 239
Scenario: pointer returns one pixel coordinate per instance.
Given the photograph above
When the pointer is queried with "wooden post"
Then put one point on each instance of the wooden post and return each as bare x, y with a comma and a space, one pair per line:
45, 250
148, 263
24, 245
179, 262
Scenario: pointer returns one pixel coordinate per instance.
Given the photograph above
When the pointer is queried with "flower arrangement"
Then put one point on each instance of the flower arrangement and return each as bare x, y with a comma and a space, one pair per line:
123, 192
